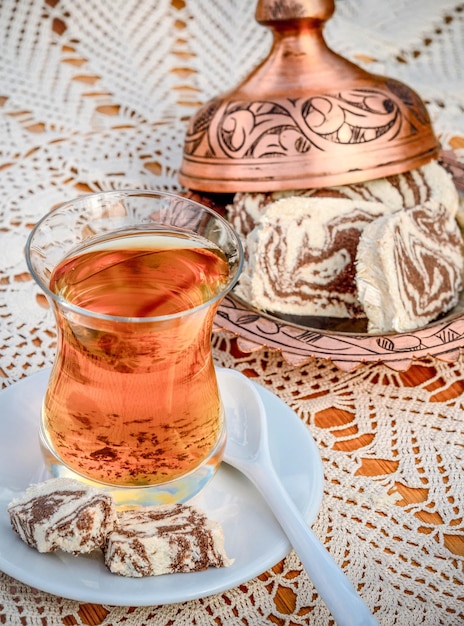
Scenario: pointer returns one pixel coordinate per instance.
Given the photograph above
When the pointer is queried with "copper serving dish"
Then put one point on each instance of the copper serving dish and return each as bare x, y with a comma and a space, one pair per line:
305, 117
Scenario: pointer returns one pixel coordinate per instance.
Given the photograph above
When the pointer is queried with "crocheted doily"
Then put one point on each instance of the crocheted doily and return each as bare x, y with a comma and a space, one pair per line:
96, 95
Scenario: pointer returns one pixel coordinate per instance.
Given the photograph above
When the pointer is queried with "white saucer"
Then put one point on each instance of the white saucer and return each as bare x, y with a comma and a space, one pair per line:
252, 535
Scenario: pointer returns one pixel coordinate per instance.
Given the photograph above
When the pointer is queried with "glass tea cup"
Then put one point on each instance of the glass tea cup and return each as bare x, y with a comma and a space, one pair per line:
135, 279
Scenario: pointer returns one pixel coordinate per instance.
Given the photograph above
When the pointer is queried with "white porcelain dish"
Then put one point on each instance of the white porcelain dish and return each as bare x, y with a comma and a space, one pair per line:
252, 535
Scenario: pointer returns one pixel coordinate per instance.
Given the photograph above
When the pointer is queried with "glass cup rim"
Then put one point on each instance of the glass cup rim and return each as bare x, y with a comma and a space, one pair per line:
69, 306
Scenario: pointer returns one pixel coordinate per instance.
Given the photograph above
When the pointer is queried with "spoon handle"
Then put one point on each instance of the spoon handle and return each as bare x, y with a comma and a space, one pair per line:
347, 608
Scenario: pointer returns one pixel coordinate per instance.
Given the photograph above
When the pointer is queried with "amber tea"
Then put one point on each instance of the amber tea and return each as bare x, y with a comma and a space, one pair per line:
133, 402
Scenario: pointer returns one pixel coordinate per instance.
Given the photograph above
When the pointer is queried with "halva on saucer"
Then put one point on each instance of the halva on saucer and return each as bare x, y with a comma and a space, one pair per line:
62, 514
164, 539
65, 514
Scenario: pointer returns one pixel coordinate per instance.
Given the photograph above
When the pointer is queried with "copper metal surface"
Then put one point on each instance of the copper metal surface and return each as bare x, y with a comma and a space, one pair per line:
305, 117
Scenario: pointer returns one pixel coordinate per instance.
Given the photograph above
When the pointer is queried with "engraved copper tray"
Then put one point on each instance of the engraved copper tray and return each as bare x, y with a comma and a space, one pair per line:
346, 342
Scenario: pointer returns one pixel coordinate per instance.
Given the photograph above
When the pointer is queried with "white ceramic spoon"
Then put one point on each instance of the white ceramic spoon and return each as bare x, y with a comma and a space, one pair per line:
247, 450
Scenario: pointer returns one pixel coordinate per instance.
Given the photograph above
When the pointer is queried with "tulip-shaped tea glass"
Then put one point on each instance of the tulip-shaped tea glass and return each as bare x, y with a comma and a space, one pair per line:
134, 279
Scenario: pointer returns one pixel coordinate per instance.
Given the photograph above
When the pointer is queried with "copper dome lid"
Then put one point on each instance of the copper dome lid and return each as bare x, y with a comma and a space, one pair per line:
305, 117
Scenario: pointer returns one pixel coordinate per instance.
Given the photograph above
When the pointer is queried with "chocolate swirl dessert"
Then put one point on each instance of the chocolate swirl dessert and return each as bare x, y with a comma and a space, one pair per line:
409, 267
302, 256
165, 539
62, 514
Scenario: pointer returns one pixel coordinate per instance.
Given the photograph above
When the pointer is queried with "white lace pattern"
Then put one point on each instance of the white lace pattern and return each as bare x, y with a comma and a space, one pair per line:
96, 95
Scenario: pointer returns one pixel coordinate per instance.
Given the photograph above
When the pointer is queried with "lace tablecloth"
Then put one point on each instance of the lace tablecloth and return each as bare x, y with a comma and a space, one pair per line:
96, 95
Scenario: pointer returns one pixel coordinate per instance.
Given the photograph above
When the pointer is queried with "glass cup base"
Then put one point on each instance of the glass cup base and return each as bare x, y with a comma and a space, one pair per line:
174, 491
